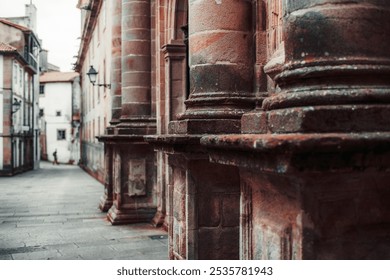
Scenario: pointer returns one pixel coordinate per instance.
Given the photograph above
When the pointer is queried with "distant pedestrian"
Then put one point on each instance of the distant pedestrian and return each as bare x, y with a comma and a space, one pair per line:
55, 158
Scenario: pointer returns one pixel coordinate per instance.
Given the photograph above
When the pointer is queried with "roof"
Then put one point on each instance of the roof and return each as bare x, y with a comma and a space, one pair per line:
57, 77
10, 23
7, 48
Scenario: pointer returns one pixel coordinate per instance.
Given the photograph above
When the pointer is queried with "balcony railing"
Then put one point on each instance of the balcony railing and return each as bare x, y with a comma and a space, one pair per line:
31, 61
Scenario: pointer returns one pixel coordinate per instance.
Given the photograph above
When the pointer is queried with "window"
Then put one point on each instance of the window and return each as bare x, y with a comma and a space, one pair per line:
61, 134
20, 76
58, 113
41, 112
104, 14
15, 73
98, 128
98, 32
41, 89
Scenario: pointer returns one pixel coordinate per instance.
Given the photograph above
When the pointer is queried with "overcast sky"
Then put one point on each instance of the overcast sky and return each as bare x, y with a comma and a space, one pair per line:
58, 23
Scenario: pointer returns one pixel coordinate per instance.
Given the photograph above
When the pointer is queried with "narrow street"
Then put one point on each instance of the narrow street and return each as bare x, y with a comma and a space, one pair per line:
52, 213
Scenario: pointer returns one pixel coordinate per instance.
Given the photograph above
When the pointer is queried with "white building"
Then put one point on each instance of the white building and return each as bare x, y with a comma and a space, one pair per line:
59, 102
99, 101
19, 66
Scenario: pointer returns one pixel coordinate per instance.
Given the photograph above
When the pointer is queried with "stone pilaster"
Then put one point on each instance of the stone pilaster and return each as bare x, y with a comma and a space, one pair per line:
317, 179
161, 217
133, 181
204, 199
176, 83
107, 198
116, 90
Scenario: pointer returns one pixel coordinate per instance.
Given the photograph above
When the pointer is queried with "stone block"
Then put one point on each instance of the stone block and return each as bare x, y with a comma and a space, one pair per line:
204, 126
230, 210
254, 122
342, 118
220, 15
137, 22
218, 243
137, 177
210, 210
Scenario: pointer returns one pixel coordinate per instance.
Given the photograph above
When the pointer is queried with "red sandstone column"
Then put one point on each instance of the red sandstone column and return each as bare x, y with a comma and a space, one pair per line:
221, 66
116, 63
316, 183
136, 60
134, 174
335, 95
337, 60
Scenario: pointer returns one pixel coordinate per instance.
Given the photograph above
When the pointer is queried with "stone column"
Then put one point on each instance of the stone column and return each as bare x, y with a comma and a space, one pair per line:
204, 214
221, 67
337, 64
317, 180
134, 171
136, 69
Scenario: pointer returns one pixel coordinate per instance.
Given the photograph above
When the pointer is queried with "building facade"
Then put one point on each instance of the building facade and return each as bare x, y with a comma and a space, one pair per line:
19, 70
250, 129
95, 51
59, 110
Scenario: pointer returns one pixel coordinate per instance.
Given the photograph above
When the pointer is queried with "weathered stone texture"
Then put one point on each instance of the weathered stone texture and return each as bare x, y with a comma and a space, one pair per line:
278, 146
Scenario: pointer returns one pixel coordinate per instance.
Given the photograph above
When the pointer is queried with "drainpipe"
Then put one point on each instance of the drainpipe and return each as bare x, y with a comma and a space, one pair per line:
12, 121
33, 136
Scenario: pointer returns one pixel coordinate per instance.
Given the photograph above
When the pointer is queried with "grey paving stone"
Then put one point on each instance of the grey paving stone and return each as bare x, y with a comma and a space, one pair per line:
38, 255
52, 213
138, 244
6, 257
91, 253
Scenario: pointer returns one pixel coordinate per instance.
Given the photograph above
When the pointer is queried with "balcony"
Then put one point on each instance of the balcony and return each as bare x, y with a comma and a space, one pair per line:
31, 60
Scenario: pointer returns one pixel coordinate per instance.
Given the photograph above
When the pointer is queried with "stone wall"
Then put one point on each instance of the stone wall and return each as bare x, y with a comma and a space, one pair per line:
270, 129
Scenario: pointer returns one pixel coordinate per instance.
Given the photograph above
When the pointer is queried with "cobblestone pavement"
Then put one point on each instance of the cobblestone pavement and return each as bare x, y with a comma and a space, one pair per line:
52, 213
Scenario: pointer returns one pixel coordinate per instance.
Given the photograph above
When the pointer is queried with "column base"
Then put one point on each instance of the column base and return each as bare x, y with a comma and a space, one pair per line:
322, 119
105, 203
311, 196
130, 216
159, 220
140, 125
202, 126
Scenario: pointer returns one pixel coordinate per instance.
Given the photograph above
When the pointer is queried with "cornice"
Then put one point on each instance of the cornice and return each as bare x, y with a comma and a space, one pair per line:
88, 29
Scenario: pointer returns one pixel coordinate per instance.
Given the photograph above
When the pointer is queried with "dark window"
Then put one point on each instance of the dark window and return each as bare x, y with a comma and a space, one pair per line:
41, 89
61, 135
41, 112
58, 113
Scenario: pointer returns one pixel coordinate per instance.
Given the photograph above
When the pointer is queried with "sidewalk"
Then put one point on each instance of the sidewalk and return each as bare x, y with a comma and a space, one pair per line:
52, 213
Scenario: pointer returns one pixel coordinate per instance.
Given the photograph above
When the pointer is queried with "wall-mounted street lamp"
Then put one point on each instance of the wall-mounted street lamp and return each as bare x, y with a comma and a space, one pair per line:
92, 75
87, 7
16, 105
